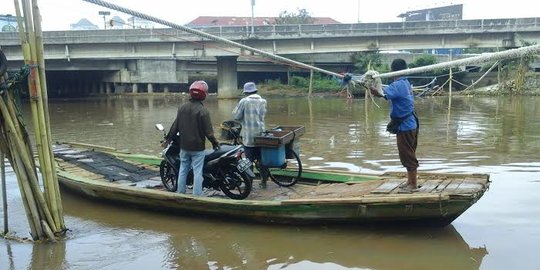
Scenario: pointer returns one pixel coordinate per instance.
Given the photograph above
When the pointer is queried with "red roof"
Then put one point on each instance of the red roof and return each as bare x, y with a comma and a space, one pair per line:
246, 21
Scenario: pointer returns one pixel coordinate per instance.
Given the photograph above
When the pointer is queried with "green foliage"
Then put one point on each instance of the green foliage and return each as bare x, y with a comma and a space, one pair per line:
424, 60
321, 83
363, 61
302, 16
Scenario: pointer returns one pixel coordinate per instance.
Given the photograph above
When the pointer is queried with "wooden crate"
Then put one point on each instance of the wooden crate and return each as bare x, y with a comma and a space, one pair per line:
278, 136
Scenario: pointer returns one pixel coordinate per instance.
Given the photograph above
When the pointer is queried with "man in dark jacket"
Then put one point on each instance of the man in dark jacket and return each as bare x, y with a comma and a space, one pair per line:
193, 124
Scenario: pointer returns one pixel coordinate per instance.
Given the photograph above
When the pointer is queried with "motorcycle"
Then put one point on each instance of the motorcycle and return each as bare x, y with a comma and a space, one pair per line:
224, 169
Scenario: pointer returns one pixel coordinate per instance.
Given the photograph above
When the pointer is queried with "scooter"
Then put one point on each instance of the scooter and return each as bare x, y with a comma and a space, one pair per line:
224, 169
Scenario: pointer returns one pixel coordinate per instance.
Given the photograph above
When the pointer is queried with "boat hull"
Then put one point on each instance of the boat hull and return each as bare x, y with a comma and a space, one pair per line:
320, 197
435, 213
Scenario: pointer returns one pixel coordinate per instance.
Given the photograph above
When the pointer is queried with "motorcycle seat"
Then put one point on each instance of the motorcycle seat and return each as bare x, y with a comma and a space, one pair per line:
210, 154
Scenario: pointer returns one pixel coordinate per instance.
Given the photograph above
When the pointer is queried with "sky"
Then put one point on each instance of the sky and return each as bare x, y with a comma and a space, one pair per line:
59, 14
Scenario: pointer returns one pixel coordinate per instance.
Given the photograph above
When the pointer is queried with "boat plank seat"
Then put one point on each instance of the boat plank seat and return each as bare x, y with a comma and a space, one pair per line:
454, 184
429, 186
468, 186
442, 185
388, 186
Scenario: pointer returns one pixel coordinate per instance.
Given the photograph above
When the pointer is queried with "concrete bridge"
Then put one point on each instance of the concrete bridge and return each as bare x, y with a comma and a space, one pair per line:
124, 59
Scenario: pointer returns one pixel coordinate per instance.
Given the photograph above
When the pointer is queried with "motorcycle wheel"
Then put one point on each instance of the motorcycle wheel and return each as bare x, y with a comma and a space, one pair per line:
168, 177
236, 185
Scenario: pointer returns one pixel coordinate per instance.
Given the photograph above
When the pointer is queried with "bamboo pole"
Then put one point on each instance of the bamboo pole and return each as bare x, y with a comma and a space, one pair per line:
25, 161
33, 85
3, 180
44, 101
4, 194
450, 78
38, 116
28, 199
15, 141
310, 83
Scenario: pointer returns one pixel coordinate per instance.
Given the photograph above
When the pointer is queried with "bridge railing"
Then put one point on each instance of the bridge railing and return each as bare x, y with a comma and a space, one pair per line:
284, 31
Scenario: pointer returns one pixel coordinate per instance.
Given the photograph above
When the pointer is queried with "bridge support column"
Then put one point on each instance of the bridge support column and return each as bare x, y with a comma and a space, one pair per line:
150, 88
134, 88
101, 88
108, 88
94, 88
166, 88
227, 76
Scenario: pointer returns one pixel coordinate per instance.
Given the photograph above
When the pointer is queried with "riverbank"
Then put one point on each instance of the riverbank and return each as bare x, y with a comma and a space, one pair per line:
531, 87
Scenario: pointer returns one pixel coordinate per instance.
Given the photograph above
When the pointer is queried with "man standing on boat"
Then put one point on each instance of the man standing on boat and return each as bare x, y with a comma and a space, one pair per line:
404, 122
250, 112
193, 124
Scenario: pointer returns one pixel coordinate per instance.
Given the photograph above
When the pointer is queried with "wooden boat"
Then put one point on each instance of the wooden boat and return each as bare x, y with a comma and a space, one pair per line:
320, 197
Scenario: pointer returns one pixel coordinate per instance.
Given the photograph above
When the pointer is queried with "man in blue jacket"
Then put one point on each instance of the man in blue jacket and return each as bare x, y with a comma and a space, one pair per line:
404, 122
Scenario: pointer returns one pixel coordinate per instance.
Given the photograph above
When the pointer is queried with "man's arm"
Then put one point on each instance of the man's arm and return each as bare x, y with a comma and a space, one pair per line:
209, 130
376, 93
173, 130
238, 112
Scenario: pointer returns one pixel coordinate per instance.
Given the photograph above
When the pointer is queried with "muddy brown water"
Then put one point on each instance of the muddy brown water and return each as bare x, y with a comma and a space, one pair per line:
495, 135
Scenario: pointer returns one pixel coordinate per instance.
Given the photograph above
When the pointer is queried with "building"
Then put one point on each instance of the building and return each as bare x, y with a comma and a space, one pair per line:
83, 24
136, 22
8, 23
453, 12
117, 23
207, 21
445, 13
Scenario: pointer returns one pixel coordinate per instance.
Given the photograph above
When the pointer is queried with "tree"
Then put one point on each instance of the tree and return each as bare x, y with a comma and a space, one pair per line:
301, 17
372, 59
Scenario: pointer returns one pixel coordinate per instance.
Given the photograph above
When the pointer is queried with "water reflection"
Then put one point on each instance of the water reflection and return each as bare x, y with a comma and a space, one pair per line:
194, 243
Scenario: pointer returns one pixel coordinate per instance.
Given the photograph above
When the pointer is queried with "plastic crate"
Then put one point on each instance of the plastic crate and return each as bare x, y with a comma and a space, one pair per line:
273, 157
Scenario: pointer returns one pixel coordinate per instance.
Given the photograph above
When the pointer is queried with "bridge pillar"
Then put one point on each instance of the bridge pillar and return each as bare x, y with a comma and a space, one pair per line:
134, 88
166, 88
101, 88
108, 88
227, 76
94, 88
150, 88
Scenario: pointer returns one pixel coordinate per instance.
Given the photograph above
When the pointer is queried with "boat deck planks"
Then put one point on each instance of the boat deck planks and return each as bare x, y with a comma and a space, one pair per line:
388, 186
106, 167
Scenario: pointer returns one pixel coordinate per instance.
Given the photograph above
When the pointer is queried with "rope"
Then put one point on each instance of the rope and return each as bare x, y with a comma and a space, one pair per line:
488, 57
210, 36
479, 79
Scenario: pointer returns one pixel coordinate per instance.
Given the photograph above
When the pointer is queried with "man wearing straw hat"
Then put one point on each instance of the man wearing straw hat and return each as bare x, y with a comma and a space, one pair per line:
250, 112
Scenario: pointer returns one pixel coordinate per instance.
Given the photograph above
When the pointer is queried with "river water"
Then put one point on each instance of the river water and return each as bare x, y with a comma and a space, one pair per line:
495, 135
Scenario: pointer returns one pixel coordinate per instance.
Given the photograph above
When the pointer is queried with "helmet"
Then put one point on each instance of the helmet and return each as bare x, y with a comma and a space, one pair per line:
198, 90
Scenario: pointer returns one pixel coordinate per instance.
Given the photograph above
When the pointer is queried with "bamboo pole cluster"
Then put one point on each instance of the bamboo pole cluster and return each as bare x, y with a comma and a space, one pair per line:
43, 207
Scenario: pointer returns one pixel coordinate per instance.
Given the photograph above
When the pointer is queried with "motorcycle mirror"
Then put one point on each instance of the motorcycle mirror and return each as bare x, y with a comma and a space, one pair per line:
160, 127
